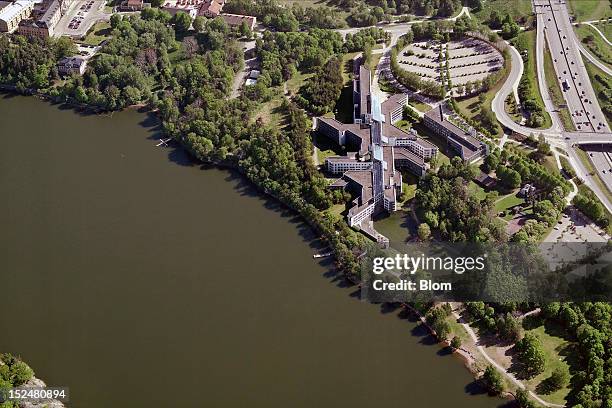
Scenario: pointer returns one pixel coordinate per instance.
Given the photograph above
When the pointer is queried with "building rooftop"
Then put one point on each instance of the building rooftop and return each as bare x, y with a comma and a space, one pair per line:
364, 90
403, 153
470, 144
393, 103
11, 10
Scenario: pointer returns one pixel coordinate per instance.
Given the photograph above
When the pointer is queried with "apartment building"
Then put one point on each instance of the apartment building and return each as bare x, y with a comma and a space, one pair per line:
12, 13
71, 65
45, 19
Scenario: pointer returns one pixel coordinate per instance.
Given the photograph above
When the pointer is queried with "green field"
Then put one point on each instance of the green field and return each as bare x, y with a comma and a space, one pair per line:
507, 202
527, 41
586, 10
606, 29
555, 91
98, 33
598, 86
557, 351
519, 9
597, 46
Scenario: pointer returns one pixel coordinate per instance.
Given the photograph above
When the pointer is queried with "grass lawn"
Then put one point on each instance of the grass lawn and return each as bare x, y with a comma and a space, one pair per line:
403, 124
507, 202
444, 153
556, 350
295, 83
458, 330
409, 185
585, 10
606, 29
337, 210
347, 65
271, 113
98, 33
324, 154
526, 41
598, 46
423, 107
555, 91
518, 9
600, 87
551, 164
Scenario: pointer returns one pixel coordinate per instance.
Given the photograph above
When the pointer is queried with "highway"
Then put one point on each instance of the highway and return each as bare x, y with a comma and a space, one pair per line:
571, 72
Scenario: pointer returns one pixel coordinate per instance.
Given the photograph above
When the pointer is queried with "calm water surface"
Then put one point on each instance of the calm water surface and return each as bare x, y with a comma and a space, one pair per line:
139, 279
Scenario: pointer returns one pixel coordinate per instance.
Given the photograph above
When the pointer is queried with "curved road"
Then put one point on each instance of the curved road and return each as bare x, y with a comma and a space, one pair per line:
594, 60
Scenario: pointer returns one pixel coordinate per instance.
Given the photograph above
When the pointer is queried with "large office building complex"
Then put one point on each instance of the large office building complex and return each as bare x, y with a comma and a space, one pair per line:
377, 152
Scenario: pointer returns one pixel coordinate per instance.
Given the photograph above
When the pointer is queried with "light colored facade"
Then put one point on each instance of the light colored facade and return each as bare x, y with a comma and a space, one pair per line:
71, 65
12, 13
44, 25
211, 8
342, 164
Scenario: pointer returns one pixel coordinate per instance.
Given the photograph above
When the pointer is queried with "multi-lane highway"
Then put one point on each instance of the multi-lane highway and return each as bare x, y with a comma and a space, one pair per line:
570, 70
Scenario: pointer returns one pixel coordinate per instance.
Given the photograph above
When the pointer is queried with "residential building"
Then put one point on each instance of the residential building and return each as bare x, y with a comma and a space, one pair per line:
12, 13
190, 7
211, 8
463, 142
131, 5
236, 20
46, 18
71, 65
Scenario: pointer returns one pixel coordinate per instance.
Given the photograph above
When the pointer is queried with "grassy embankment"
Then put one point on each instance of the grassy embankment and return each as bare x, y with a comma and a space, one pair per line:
526, 41
555, 91
599, 87
558, 354
518, 9
595, 43
586, 10
97, 33
606, 29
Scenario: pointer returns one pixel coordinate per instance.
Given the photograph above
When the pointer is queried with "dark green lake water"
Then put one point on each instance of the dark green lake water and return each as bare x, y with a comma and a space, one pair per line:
138, 279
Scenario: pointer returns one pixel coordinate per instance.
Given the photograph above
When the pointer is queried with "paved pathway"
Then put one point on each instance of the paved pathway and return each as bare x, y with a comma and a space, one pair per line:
600, 33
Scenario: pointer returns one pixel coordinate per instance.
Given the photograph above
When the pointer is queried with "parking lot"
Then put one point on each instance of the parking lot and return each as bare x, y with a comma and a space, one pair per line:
81, 17
469, 60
